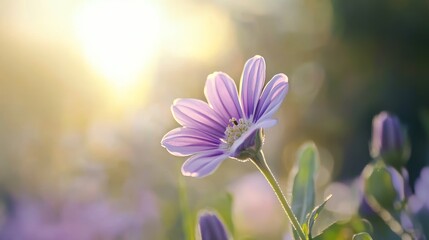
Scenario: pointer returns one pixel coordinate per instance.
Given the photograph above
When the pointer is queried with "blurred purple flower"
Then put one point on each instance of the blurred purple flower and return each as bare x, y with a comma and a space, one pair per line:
420, 200
255, 208
407, 187
398, 183
48, 219
211, 227
388, 139
226, 125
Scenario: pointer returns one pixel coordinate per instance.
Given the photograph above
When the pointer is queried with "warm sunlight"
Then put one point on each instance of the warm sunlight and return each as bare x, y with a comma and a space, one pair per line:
204, 35
119, 39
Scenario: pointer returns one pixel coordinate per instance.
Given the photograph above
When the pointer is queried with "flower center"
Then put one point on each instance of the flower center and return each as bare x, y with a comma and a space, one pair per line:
235, 130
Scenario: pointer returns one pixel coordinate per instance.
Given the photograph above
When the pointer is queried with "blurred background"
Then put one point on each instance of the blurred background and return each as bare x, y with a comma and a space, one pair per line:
86, 89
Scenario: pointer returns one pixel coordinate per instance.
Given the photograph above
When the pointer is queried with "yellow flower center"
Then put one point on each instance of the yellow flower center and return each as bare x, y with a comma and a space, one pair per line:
235, 130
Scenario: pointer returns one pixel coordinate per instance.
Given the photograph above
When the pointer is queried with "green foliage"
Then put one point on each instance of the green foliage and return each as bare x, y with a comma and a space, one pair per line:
379, 185
314, 215
303, 193
345, 230
188, 222
362, 236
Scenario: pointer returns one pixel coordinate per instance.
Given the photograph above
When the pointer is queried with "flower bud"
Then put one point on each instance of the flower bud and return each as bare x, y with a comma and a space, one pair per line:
389, 140
211, 227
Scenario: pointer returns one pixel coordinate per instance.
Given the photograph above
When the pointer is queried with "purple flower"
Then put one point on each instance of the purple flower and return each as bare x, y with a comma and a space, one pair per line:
420, 200
52, 218
226, 125
388, 140
211, 227
398, 183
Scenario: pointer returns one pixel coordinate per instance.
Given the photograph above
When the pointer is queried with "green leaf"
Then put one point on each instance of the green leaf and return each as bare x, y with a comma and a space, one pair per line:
362, 236
315, 214
303, 192
344, 230
188, 223
379, 185
304, 229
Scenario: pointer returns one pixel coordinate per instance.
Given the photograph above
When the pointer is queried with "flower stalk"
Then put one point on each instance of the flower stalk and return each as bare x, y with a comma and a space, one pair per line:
259, 160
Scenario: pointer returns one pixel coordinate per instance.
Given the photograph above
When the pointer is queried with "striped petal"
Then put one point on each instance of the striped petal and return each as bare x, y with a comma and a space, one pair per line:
221, 94
252, 81
187, 141
196, 114
204, 164
272, 97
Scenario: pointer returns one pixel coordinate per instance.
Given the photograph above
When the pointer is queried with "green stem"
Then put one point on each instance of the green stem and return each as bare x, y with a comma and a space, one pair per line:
187, 221
259, 160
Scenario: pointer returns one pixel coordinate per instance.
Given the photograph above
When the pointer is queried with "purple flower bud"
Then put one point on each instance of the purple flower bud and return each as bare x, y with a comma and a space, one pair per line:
388, 139
211, 227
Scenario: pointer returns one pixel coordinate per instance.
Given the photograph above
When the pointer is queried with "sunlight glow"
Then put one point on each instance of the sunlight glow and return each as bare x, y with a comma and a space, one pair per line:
119, 38
205, 34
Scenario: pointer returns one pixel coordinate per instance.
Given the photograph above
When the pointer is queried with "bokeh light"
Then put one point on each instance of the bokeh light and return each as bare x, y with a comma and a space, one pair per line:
120, 39
204, 35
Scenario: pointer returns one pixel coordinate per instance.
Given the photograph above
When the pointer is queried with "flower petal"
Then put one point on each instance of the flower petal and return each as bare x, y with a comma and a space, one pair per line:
196, 114
221, 94
251, 83
272, 97
422, 184
397, 182
261, 124
187, 141
201, 165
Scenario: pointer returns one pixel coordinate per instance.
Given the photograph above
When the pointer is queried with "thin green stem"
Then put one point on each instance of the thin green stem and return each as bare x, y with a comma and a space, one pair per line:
259, 160
187, 221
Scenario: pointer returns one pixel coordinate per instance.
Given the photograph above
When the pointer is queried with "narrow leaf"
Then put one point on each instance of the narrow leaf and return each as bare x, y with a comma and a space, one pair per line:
315, 214
303, 192
186, 213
